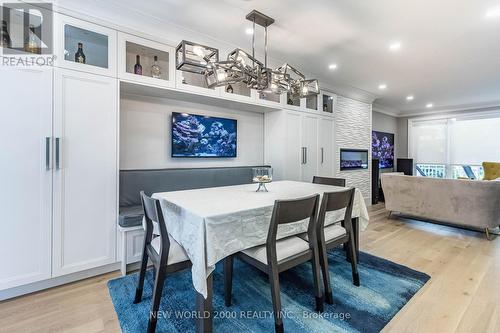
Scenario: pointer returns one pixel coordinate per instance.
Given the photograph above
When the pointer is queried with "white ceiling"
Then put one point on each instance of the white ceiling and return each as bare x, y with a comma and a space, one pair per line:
450, 54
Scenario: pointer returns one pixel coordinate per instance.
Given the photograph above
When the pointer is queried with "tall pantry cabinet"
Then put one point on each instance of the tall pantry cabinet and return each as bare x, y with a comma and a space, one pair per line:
58, 155
299, 145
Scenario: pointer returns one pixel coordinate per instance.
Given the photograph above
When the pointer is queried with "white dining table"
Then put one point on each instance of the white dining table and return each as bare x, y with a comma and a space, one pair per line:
213, 223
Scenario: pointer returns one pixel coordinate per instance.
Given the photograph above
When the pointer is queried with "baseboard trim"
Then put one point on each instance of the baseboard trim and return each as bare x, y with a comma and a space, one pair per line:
57, 281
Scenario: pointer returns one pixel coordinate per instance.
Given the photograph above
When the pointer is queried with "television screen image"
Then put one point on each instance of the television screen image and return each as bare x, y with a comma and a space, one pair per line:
351, 159
383, 149
203, 136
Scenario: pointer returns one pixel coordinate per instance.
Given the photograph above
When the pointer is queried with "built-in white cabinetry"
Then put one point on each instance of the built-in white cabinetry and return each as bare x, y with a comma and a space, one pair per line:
26, 177
299, 145
326, 147
309, 136
98, 45
85, 178
131, 47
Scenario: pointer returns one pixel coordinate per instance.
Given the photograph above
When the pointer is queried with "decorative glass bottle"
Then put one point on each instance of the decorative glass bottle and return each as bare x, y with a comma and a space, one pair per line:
79, 55
155, 69
137, 66
5, 40
31, 44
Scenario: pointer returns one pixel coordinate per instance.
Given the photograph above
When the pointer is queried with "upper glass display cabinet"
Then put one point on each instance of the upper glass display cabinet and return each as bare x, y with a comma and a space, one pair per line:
145, 61
268, 97
328, 101
312, 102
85, 46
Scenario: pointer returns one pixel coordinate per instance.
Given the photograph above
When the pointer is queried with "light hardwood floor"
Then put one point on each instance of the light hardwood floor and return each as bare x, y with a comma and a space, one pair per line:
463, 294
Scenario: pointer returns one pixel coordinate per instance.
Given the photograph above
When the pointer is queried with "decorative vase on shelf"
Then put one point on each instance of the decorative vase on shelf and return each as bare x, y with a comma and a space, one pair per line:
5, 40
262, 176
137, 66
155, 69
79, 55
31, 45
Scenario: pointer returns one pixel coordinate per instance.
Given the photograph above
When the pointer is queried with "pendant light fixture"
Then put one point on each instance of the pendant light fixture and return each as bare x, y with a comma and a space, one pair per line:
241, 66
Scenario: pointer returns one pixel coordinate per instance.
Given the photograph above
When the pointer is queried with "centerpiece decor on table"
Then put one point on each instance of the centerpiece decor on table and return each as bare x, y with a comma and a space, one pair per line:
262, 176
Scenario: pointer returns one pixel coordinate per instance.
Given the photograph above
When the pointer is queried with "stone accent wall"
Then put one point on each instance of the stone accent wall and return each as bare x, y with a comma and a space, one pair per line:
353, 129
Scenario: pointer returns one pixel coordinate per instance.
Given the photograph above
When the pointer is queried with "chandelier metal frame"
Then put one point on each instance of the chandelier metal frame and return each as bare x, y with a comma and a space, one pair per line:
240, 66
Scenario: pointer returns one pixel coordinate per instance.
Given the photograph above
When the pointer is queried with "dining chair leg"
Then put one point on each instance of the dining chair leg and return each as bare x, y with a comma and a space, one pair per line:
228, 279
323, 257
142, 274
276, 297
155, 304
316, 276
354, 261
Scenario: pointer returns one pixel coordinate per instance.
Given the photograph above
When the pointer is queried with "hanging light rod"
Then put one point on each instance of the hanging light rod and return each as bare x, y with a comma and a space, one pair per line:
259, 18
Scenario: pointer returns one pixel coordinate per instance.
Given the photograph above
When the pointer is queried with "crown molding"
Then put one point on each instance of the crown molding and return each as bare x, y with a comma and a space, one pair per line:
477, 107
386, 110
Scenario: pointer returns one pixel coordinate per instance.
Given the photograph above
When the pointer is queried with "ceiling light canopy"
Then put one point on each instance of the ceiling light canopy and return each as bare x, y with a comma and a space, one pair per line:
241, 66
382, 86
333, 66
429, 105
493, 13
409, 98
396, 46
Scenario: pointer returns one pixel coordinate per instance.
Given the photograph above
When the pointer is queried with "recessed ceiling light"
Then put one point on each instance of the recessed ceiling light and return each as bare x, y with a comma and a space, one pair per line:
395, 46
429, 105
249, 31
382, 86
409, 98
332, 66
493, 12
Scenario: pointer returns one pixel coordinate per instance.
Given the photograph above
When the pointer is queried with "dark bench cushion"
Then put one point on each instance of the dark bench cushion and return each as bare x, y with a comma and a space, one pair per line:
166, 180
130, 216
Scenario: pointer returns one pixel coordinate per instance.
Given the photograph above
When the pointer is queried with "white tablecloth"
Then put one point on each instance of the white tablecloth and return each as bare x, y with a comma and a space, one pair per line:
214, 223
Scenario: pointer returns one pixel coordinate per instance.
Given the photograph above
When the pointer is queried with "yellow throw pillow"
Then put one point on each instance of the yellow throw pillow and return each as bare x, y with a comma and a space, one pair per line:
491, 170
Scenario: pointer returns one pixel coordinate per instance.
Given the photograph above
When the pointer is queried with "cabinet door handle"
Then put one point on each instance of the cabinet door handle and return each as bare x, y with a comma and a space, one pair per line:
305, 155
58, 150
322, 155
302, 149
48, 164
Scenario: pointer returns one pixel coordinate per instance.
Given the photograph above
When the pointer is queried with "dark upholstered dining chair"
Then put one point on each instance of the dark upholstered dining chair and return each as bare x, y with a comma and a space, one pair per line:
277, 256
164, 252
329, 181
334, 235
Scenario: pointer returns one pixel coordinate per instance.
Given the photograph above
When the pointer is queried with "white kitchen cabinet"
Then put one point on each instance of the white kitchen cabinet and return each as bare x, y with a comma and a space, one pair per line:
26, 177
325, 147
298, 145
98, 45
130, 46
86, 172
309, 136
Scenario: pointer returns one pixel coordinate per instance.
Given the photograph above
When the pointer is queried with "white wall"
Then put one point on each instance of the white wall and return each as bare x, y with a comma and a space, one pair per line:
145, 134
353, 129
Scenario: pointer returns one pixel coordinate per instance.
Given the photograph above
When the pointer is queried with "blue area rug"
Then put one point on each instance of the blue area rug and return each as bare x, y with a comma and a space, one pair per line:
385, 288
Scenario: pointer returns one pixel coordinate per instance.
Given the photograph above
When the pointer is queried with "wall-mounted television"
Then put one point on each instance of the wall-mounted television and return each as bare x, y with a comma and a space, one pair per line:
352, 159
383, 149
203, 136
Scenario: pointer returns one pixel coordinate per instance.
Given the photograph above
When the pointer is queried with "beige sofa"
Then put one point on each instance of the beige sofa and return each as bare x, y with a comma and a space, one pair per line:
471, 203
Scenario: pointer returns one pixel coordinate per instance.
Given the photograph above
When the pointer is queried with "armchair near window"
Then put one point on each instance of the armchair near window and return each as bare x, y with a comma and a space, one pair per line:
491, 170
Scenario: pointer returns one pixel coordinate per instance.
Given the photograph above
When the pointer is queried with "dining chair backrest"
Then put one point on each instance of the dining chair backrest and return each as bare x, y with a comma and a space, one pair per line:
289, 211
154, 216
329, 181
338, 200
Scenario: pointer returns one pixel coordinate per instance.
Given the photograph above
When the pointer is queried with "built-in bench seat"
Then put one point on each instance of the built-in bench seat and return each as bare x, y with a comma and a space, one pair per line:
166, 180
